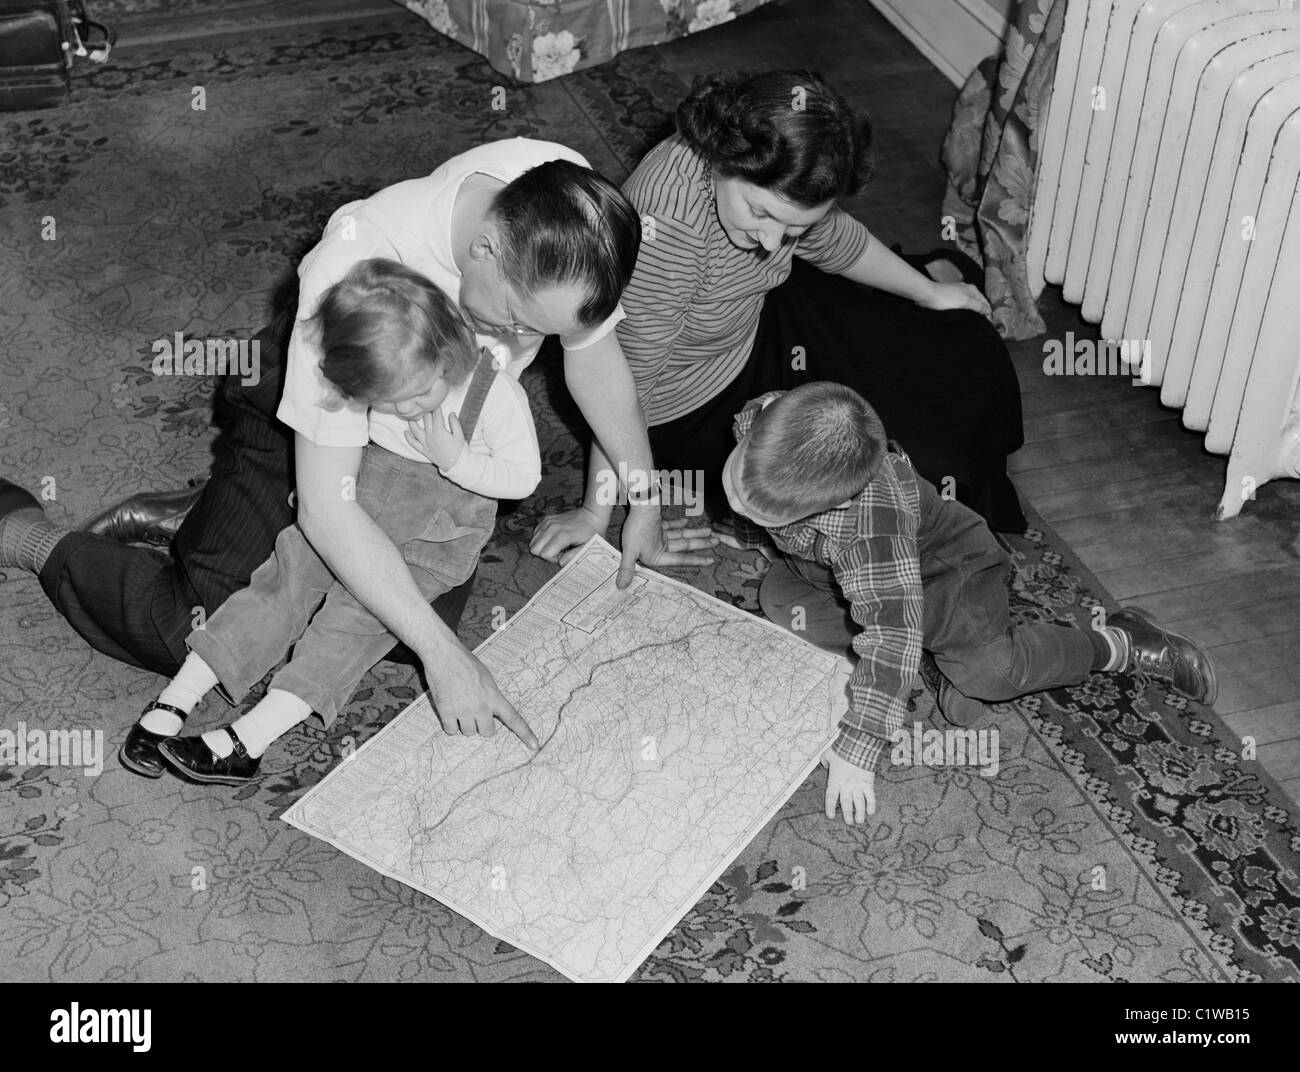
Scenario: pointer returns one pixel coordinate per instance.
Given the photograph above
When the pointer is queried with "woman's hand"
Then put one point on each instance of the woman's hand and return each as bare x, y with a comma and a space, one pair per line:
955, 296
724, 532
645, 539
440, 443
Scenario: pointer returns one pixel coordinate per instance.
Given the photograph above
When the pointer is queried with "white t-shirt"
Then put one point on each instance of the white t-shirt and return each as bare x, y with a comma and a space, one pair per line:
410, 222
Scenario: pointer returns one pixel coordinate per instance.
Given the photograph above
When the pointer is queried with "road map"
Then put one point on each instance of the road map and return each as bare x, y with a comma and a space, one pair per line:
673, 727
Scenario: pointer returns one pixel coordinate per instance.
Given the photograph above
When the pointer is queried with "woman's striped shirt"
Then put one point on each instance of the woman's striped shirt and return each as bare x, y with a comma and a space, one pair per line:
694, 300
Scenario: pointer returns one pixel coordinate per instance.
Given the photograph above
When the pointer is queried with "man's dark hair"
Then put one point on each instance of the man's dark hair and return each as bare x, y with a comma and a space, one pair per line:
563, 224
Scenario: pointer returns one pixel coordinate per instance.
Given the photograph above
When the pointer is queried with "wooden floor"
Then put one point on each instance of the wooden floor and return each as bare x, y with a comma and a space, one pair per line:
1133, 494
1124, 484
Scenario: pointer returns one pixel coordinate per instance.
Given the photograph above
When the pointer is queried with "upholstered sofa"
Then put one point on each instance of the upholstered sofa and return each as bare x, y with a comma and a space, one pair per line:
536, 40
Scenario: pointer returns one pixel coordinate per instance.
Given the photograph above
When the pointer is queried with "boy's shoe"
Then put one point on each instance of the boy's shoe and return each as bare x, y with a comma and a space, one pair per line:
191, 758
1171, 657
139, 752
957, 708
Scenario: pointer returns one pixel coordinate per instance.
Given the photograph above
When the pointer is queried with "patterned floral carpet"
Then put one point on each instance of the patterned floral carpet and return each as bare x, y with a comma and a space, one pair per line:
138, 21
1123, 839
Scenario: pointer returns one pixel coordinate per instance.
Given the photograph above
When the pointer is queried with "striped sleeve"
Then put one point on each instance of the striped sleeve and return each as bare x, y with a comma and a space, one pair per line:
834, 242
669, 272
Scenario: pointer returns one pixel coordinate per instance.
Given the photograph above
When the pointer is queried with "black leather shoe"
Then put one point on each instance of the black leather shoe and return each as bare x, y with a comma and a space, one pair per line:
151, 517
12, 498
957, 708
139, 752
191, 758
1171, 657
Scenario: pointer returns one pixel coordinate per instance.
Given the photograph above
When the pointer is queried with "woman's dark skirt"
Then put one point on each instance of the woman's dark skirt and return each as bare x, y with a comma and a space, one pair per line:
942, 383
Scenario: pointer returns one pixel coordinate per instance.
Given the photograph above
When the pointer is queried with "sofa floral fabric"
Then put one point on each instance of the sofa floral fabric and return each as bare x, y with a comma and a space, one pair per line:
537, 40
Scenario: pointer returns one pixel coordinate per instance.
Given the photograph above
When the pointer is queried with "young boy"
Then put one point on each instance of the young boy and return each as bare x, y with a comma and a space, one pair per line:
393, 343
875, 563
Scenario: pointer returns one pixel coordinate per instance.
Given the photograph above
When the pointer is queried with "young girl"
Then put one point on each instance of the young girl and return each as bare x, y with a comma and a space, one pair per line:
393, 343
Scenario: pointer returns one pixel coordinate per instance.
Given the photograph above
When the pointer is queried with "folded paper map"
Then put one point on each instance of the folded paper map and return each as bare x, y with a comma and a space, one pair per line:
673, 726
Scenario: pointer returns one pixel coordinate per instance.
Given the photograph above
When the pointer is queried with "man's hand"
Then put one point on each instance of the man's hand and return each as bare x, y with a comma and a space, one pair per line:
649, 539
956, 296
559, 536
468, 701
439, 443
850, 787
645, 539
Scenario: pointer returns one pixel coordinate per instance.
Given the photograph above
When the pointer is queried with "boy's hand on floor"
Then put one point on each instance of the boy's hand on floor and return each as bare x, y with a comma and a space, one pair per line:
850, 788
436, 441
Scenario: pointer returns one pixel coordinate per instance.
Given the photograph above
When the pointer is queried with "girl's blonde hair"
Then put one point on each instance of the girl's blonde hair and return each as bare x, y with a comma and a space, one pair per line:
383, 322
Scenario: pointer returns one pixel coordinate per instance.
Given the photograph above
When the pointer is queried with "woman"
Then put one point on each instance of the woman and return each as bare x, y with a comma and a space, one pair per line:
750, 278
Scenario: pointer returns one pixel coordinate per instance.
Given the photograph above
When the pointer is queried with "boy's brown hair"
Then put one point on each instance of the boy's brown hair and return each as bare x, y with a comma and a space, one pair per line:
383, 322
811, 449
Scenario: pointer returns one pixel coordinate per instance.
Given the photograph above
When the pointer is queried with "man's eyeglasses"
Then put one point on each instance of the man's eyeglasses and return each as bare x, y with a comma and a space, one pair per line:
518, 329
513, 327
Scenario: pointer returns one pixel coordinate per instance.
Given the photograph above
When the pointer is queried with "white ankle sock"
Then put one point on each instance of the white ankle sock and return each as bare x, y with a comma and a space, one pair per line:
219, 741
1120, 648
271, 719
192, 682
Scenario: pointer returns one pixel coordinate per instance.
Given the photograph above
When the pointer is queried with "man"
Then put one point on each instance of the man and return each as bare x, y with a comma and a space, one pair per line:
464, 226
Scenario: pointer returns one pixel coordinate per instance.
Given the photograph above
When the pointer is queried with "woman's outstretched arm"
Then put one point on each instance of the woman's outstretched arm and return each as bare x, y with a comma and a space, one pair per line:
879, 267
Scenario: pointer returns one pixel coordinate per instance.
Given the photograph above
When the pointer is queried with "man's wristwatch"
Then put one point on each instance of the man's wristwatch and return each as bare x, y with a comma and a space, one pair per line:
647, 496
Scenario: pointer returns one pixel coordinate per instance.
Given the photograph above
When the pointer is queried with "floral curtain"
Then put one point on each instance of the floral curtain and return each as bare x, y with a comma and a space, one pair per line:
991, 154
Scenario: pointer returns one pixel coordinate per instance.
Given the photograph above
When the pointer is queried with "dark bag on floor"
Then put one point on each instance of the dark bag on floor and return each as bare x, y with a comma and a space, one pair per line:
39, 40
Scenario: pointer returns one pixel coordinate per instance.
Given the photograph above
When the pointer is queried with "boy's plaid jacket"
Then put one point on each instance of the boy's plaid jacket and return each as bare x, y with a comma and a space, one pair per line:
871, 546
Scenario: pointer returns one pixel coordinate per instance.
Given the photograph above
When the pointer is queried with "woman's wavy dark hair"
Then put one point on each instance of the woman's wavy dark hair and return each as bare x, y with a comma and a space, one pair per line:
786, 131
